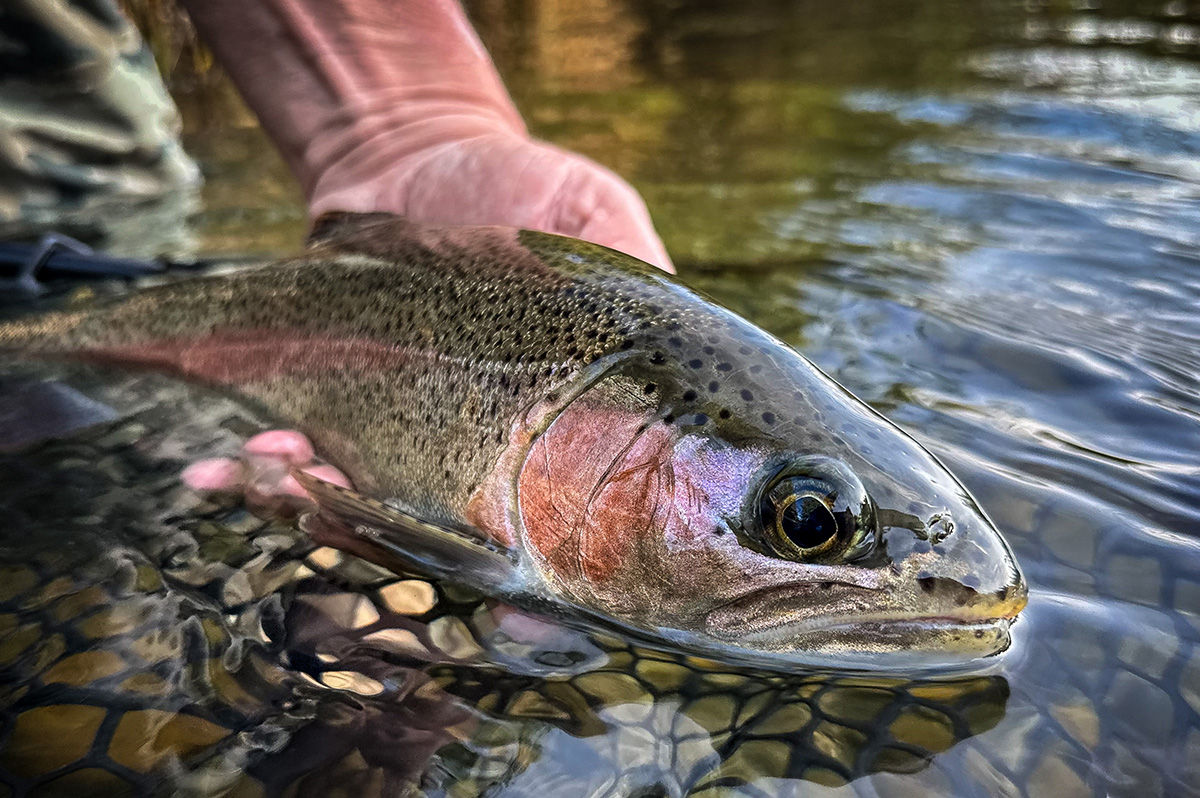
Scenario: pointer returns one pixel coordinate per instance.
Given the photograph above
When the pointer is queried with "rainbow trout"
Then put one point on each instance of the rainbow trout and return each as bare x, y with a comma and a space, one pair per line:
573, 431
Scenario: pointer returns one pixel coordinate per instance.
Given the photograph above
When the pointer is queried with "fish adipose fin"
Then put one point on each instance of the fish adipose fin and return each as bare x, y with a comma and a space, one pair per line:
378, 532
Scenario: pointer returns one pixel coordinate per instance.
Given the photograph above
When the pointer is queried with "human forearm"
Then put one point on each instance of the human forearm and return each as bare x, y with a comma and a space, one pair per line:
345, 87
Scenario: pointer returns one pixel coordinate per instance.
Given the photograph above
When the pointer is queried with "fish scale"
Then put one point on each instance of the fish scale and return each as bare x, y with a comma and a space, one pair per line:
471, 357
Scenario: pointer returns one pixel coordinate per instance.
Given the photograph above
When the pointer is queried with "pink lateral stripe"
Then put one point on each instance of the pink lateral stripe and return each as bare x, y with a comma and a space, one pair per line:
238, 357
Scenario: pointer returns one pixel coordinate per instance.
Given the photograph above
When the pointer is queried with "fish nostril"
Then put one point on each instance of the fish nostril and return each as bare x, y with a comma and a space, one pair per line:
940, 527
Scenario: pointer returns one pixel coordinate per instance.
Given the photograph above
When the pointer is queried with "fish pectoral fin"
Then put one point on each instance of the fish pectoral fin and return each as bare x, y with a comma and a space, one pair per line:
375, 531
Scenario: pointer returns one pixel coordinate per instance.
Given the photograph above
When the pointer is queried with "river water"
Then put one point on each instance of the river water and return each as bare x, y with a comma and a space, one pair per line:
984, 220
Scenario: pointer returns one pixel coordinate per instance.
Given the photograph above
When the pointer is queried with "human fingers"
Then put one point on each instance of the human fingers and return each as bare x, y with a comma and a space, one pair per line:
264, 473
598, 206
507, 180
227, 474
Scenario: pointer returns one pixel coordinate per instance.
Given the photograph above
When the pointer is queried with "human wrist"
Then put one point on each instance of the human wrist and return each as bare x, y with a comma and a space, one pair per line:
369, 164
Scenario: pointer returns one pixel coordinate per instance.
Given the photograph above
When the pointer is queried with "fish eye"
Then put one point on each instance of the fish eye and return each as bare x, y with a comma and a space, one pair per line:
798, 518
815, 510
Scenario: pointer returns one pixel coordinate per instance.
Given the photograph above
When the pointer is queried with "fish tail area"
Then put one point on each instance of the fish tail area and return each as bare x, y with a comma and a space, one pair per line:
123, 335
45, 333
152, 328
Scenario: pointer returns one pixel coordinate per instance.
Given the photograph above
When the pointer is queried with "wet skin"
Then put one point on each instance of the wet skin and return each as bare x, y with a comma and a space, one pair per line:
566, 427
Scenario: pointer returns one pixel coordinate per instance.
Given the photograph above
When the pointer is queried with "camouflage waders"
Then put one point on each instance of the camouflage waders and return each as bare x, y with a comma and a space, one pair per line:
89, 136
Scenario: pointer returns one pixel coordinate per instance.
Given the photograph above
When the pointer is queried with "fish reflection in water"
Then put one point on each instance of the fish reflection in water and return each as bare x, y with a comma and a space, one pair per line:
152, 640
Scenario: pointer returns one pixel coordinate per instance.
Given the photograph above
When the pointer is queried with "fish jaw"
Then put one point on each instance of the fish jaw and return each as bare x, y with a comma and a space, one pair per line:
883, 614
901, 617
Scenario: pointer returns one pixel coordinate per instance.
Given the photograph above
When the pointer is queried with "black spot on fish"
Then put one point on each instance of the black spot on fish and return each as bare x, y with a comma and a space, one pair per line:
695, 363
675, 341
708, 350
658, 358
689, 396
650, 388
768, 417
559, 659
724, 413
724, 367
749, 397
714, 386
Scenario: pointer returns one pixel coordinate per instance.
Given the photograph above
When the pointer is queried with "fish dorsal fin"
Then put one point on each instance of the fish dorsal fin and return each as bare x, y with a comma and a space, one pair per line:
425, 546
333, 226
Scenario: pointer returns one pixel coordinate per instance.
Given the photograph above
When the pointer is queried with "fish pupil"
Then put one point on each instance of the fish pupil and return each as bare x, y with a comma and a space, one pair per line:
807, 522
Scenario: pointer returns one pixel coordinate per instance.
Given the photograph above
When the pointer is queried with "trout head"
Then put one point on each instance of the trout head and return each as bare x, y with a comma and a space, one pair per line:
717, 489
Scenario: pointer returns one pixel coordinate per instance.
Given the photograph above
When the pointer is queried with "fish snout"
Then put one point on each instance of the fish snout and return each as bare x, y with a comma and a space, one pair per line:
959, 564
1001, 604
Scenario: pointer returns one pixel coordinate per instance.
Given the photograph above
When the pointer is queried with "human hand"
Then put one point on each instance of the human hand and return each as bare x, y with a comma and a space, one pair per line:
498, 177
384, 106
263, 472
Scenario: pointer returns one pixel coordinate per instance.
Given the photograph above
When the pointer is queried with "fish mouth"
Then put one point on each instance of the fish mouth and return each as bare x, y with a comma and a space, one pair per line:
859, 626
